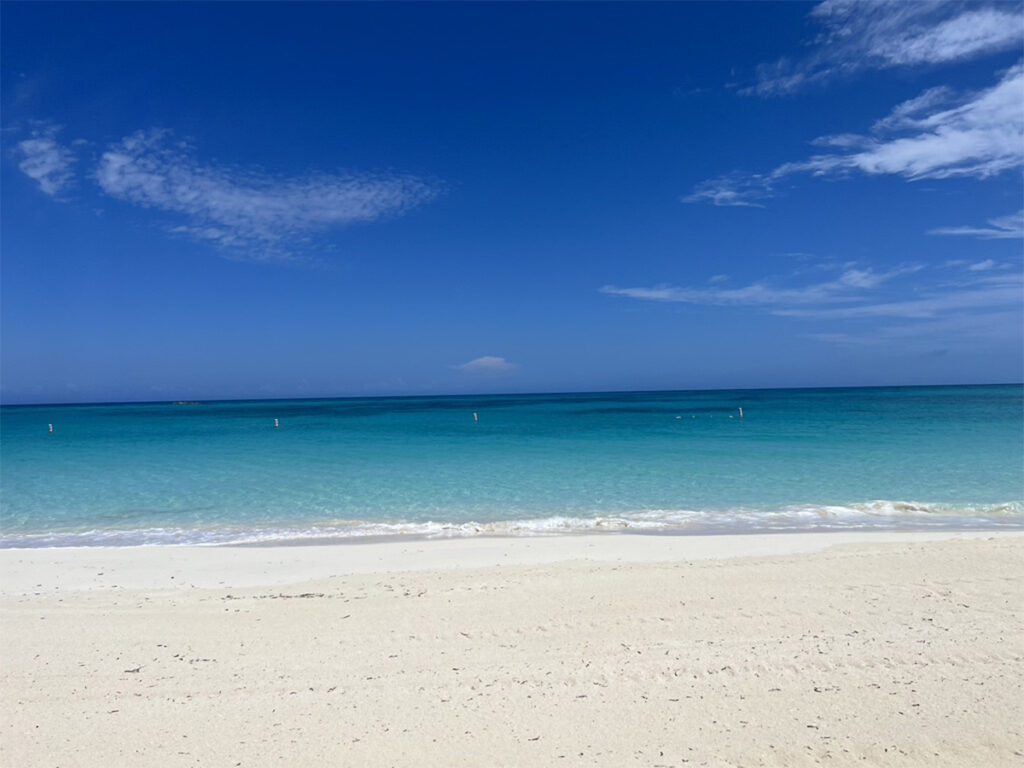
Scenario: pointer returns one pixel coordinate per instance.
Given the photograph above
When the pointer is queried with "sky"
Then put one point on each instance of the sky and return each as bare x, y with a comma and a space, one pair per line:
268, 200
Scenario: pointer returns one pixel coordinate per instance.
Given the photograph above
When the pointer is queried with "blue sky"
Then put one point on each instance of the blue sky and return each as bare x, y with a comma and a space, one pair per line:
276, 200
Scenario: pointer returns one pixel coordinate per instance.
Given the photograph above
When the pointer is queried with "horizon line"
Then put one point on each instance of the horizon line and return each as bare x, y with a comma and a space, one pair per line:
564, 393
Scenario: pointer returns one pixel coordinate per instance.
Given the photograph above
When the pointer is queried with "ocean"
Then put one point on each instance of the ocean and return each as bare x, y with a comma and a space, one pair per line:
652, 462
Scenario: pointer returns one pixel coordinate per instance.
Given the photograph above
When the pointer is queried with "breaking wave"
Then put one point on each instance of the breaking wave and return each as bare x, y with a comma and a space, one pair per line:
874, 515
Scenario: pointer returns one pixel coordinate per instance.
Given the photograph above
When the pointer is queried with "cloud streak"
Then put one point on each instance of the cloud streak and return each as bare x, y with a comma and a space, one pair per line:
964, 329
1001, 228
986, 296
937, 135
856, 35
733, 190
249, 212
845, 288
488, 364
44, 160
865, 298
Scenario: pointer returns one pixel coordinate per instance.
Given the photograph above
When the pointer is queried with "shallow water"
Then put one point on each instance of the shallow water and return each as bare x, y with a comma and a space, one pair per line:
220, 472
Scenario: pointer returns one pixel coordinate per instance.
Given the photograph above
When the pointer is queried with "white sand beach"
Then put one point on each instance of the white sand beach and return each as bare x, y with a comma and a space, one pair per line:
787, 649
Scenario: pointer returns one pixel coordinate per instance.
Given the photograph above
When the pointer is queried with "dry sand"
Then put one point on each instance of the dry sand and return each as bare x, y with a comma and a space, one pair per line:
882, 649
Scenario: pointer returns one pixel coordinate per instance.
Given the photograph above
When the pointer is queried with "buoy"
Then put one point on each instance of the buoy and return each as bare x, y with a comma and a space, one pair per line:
276, 424
741, 412
51, 429
476, 417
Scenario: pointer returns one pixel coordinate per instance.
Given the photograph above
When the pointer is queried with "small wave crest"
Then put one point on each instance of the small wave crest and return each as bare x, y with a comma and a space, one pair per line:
874, 515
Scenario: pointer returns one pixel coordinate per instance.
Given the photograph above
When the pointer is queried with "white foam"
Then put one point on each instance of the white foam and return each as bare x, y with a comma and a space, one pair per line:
883, 515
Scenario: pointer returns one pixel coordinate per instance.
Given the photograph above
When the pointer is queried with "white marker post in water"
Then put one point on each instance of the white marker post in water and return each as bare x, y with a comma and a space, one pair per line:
276, 424
51, 429
476, 417
741, 412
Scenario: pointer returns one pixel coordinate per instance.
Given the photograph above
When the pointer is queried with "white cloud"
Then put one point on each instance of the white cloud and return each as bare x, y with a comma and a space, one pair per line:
841, 141
981, 136
844, 288
960, 328
858, 35
883, 308
45, 161
732, 190
934, 136
904, 114
487, 364
973, 33
1003, 292
250, 210
1001, 228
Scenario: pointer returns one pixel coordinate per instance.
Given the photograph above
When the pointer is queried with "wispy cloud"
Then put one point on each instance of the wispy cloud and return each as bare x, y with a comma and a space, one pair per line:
957, 328
880, 307
1002, 293
734, 189
936, 135
845, 288
983, 266
858, 35
44, 160
1000, 228
906, 113
487, 364
986, 265
251, 212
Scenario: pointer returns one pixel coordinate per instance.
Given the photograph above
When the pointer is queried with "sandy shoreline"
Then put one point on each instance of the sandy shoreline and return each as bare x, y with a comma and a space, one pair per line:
787, 649
34, 571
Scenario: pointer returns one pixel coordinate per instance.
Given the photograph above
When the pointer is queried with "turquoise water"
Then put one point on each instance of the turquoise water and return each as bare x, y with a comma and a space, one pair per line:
220, 472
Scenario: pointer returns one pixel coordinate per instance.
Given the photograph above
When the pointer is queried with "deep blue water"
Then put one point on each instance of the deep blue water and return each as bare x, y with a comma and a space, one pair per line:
918, 457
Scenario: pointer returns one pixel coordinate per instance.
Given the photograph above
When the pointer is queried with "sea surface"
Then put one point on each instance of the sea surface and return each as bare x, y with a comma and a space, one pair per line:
664, 462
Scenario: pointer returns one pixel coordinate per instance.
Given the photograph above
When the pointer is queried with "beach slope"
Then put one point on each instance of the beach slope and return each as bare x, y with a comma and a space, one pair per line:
892, 650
